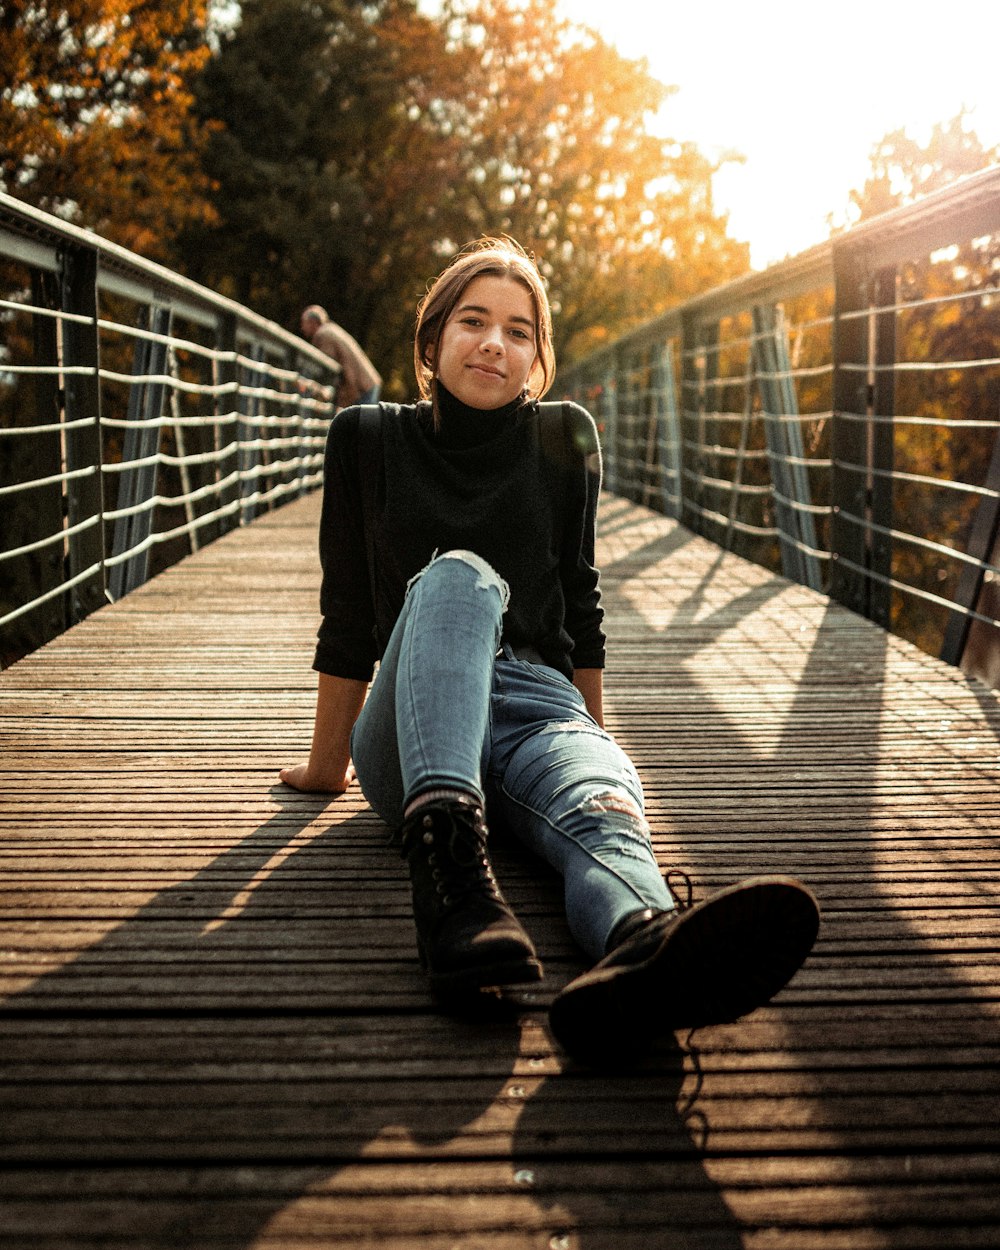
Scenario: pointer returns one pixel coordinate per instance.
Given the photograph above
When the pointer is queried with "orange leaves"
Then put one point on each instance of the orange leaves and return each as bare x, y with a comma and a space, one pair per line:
96, 117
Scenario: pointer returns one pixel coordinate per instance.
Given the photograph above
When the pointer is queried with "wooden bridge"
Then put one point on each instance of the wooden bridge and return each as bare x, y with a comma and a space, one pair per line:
214, 1030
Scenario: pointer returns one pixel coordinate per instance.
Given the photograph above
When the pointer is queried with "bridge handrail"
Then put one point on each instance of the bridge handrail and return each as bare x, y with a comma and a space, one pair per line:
141, 416
786, 415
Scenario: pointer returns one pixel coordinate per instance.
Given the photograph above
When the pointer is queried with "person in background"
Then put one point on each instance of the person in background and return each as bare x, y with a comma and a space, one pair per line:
360, 382
462, 560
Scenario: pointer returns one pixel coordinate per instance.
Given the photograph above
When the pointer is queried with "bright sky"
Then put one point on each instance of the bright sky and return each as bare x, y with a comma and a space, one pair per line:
805, 90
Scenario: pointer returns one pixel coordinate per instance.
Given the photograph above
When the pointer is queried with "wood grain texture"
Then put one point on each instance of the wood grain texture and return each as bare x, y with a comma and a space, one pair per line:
214, 1031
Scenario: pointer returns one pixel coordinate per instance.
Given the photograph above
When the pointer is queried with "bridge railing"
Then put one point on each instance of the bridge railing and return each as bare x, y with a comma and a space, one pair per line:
836, 417
141, 416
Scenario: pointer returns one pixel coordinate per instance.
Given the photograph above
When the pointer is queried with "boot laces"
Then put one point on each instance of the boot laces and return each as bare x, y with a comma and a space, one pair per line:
684, 881
460, 865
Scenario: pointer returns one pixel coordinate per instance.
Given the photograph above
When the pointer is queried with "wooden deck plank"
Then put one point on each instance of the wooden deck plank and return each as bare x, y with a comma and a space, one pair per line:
214, 1031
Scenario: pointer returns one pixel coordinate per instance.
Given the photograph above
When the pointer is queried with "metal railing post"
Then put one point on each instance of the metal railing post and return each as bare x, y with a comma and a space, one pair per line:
41, 514
669, 431
291, 360
746, 416
137, 482
700, 368
882, 442
848, 439
226, 402
864, 352
785, 449
249, 432
82, 403
609, 398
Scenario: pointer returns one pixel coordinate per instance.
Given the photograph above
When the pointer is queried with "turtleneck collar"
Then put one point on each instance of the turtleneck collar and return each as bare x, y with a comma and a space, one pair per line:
463, 427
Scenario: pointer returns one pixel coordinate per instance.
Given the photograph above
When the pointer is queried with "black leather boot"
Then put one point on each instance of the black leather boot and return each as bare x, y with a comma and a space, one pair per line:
683, 969
467, 936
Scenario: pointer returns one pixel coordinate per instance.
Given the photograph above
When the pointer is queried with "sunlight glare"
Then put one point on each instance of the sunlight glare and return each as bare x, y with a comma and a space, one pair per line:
804, 93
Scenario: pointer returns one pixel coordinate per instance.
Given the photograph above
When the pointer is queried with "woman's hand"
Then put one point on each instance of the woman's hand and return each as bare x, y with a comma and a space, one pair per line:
308, 779
328, 769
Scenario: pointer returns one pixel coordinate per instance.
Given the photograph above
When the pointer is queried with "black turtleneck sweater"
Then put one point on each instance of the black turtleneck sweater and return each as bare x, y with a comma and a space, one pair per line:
489, 482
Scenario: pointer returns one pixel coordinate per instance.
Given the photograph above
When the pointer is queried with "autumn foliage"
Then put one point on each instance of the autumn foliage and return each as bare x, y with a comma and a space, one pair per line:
338, 152
95, 115
946, 428
287, 152
360, 145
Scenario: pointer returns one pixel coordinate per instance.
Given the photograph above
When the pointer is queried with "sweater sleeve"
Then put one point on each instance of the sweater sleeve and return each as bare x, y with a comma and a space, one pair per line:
580, 577
346, 639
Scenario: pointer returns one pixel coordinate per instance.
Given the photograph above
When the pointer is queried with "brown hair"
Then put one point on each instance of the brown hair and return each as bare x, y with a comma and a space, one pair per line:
502, 258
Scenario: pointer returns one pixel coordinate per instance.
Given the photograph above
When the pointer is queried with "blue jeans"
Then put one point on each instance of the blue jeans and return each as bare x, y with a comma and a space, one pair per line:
449, 709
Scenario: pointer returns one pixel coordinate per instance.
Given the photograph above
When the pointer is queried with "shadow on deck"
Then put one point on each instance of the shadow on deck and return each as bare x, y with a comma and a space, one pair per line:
215, 1032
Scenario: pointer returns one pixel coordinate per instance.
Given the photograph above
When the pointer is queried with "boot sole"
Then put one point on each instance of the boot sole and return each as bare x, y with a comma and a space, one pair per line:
466, 981
716, 963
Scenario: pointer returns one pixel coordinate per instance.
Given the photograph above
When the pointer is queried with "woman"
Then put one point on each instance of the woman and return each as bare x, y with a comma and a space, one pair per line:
457, 543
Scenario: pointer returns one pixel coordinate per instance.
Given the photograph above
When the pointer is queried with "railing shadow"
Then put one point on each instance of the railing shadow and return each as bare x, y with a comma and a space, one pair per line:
208, 1035
616, 1158
801, 788
200, 1071
262, 1027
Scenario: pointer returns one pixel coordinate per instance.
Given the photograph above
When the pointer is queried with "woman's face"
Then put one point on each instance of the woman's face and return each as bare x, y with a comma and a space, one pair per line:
488, 344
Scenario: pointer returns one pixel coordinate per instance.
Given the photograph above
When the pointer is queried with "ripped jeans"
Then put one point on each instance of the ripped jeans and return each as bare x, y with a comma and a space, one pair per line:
449, 709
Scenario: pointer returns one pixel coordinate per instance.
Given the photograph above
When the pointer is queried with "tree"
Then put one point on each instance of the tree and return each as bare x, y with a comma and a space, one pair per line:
904, 169
559, 153
382, 139
320, 110
95, 114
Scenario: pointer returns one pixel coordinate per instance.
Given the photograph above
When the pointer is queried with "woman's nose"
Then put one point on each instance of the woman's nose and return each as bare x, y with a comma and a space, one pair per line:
492, 340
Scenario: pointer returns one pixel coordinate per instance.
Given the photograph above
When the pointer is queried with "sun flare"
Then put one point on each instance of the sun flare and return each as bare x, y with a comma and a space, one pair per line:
802, 97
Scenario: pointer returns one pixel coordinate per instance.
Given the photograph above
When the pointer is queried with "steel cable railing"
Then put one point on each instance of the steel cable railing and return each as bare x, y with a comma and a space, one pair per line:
140, 417
836, 417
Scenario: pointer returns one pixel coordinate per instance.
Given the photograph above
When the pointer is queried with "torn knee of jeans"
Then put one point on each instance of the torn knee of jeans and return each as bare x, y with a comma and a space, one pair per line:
609, 818
612, 801
488, 579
